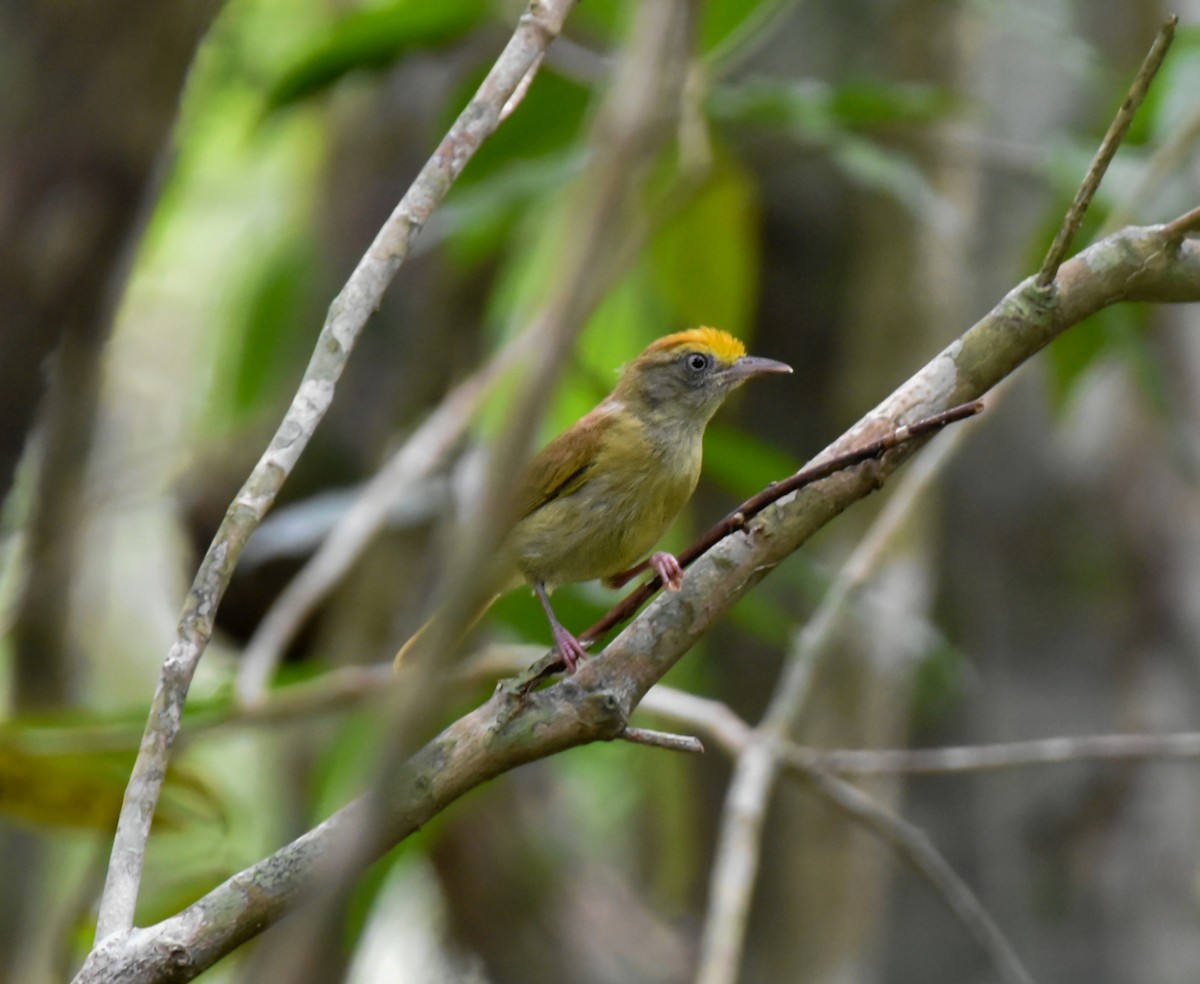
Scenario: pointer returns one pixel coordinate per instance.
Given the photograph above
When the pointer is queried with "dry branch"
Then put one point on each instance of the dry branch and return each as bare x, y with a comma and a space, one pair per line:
1149, 264
347, 316
1142, 264
1037, 306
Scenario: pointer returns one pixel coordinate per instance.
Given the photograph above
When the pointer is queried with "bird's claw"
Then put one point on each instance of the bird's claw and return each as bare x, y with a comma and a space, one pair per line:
570, 649
668, 569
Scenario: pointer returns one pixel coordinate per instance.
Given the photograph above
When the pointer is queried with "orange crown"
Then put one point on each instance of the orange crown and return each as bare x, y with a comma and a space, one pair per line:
721, 344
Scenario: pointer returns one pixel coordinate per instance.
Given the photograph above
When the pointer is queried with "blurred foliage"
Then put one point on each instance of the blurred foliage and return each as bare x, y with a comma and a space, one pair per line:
838, 119
227, 295
938, 686
84, 789
1143, 184
371, 38
261, 359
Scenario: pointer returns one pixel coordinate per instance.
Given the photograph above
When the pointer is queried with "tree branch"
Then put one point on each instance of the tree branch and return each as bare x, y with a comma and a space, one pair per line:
757, 753
1142, 264
1107, 150
662, 739
914, 847
1007, 755
347, 316
419, 456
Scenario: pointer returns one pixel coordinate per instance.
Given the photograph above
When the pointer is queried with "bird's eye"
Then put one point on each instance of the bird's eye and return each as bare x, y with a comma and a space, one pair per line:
697, 362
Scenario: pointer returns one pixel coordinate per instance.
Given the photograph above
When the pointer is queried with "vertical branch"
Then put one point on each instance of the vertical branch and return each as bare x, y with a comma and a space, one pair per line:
1106, 152
735, 869
752, 784
914, 847
347, 316
633, 123
422, 453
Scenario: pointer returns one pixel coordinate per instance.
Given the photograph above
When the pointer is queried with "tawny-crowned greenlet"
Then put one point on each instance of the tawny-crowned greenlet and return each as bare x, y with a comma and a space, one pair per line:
596, 499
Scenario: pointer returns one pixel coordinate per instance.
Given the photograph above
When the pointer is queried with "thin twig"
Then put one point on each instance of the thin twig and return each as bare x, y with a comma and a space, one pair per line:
741, 516
628, 130
1180, 227
714, 717
518, 96
1170, 157
1137, 264
663, 739
1007, 755
731, 734
423, 452
1106, 151
739, 845
347, 316
911, 843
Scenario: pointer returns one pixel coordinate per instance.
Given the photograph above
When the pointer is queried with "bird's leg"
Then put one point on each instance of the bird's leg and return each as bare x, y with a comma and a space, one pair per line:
664, 565
569, 648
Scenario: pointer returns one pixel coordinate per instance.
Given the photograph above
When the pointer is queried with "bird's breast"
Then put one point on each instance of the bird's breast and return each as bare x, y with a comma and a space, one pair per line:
628, 498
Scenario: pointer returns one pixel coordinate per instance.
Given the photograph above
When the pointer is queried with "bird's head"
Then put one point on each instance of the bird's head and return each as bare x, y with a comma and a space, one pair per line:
687, 375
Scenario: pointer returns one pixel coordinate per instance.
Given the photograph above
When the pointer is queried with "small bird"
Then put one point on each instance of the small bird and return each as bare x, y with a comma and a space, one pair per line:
596, 499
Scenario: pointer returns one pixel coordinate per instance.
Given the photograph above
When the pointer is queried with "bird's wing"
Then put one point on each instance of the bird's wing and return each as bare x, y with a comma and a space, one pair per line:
562, 466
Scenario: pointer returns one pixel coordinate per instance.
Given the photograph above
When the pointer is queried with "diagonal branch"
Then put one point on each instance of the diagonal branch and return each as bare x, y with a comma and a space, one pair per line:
750, 788
1107, 151
814, 767
348, 314
419, 456
1143, 264
911, 843
736, 522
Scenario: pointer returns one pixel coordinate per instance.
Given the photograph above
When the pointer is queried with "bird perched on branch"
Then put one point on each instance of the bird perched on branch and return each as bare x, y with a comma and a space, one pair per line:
596, 499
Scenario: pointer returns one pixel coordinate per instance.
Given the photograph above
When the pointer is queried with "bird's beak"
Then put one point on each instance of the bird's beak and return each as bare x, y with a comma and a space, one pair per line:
749, 366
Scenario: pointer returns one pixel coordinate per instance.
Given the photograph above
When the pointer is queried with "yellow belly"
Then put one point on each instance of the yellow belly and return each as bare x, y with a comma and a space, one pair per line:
602, 528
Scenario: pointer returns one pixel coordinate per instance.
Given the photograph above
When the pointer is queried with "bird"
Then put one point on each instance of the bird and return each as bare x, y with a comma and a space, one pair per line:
594, 501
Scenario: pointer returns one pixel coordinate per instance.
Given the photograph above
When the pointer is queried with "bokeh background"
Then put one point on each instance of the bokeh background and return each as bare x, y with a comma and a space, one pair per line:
184, 186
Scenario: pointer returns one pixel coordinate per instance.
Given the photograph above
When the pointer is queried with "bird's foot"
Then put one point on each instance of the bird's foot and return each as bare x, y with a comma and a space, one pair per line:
669, 569
569, 648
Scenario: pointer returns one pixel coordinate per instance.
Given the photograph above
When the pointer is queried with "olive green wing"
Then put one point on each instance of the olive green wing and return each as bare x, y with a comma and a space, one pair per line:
562, 466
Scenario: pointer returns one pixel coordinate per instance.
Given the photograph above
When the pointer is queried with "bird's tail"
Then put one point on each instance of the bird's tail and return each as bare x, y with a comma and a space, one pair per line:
405, 652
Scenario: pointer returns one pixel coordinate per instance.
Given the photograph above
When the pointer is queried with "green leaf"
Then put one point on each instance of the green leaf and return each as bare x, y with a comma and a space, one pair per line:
728, 23
813, 109
706, 258
84, 789
264, 357
372, 38
1113, 332
743, 463
895, 175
